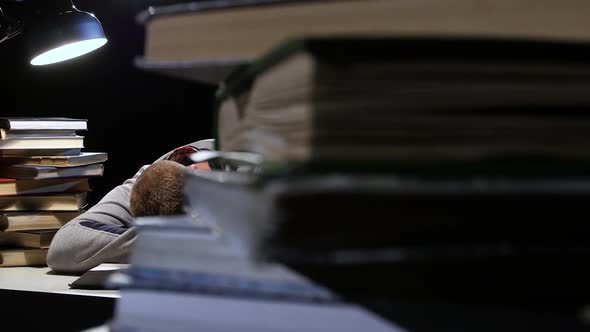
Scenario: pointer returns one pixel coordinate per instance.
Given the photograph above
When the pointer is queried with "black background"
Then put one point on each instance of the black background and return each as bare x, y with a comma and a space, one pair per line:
133, 115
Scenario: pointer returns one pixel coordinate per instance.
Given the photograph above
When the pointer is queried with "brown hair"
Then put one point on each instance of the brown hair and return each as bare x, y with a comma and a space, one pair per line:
159, 190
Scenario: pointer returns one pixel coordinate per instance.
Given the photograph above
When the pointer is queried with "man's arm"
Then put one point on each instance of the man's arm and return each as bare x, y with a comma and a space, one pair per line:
104, 233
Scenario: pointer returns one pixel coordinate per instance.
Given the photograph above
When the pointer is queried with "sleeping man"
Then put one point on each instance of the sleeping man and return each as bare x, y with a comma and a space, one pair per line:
106, 232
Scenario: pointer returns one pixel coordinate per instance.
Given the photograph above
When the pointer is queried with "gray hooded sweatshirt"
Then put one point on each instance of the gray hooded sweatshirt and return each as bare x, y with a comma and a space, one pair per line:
103, 234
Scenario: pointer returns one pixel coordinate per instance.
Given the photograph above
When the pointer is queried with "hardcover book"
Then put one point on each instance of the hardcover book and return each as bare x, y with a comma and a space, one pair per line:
22, 257
57, 202
15, 187
33, 172
391, 100
23, 152
42, 142
42, 123
29, 239
12, 133
205, 40
26, 221
408, 236
84, 158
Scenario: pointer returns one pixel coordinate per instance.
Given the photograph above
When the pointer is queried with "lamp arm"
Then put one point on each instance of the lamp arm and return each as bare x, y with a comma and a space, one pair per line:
9, 27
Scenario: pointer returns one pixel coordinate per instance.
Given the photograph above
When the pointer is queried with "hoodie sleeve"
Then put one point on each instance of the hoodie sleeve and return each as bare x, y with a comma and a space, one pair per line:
103, 234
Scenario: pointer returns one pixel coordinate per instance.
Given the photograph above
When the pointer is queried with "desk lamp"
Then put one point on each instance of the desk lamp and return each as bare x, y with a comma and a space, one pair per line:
56, 31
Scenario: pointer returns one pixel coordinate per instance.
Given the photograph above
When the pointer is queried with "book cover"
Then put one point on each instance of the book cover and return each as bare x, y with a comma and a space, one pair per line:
207, 72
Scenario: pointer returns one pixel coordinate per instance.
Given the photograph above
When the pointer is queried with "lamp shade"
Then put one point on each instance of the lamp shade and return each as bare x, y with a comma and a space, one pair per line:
64, 35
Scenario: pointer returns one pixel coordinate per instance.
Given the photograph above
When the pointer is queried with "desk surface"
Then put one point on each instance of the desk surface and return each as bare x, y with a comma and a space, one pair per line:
40, 287
43, 279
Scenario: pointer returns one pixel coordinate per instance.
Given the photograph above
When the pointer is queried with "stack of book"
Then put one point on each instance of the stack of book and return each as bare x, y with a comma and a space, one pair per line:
44, 180
418, 167
184, 270
393, 150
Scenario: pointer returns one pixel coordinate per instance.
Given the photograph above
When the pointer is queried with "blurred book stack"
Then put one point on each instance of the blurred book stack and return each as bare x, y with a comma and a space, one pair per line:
185, 271
424, 169
395, 151
44, 180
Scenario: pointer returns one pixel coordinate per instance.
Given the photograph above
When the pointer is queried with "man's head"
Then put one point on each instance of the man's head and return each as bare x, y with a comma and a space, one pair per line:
159, 190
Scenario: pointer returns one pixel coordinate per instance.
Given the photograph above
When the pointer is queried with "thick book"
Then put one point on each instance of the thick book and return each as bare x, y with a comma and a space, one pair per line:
56, 202
213, 34
282, 215
27, 221
12, 133
391, 99
15, 187
408, 236
42, 142
22, 257
26, 152
154, 310
42, 123
84, 158
182, 260
182, 254
29, 239
32, 172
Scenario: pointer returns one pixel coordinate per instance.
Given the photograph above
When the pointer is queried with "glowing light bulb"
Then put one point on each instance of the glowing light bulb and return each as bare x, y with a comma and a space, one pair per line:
68, 51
